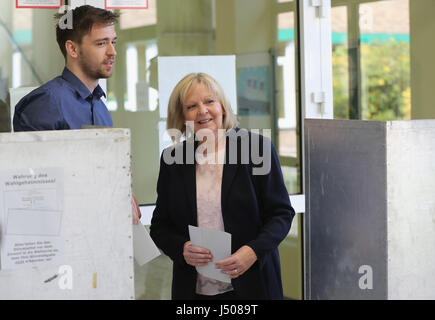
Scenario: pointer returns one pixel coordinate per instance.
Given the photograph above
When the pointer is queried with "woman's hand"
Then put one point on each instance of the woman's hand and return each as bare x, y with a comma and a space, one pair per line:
196, 256
238, 262
136, 211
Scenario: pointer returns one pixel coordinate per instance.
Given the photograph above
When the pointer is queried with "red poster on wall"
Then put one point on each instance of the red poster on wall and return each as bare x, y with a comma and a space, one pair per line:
126, 4
39, 4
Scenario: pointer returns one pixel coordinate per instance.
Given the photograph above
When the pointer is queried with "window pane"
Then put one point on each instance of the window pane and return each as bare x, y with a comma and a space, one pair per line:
140, 17
340, 64
29, 54
371, 60
286, 31
288, 136
385, 60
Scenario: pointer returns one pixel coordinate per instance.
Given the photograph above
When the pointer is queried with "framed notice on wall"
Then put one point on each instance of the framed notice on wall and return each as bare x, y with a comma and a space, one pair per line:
41, 4
126, 4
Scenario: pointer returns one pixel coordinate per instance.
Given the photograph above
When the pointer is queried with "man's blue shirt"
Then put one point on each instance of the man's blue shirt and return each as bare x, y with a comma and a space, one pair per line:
61, 104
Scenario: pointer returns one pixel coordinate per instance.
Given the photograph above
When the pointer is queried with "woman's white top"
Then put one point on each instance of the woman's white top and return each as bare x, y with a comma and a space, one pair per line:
209, 211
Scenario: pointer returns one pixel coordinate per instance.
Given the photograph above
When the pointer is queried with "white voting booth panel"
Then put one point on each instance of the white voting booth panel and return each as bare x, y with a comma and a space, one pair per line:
95, 225
370, 209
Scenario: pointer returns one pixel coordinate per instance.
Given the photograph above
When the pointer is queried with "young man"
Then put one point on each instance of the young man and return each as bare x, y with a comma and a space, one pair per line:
74, 98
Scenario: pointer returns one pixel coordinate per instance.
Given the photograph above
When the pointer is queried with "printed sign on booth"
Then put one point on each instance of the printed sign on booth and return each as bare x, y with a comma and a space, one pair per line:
31, 208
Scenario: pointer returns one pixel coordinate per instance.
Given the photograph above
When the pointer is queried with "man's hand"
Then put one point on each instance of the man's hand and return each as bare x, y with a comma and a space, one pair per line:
136, 211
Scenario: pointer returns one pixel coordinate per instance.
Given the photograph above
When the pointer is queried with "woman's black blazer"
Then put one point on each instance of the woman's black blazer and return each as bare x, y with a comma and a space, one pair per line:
256, 211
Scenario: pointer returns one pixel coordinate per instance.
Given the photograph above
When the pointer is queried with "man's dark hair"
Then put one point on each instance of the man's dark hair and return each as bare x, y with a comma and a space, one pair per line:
83, 18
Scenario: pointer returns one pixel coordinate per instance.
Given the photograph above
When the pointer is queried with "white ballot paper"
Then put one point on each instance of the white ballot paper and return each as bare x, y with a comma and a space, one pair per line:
144, 248
31, 206
219, 244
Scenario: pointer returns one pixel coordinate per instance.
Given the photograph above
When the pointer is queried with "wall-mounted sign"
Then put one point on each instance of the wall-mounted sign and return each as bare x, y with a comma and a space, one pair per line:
126, 4
39, 4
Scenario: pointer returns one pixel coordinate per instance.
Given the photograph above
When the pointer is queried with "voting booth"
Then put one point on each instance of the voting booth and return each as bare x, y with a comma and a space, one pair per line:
66, 215
370, 209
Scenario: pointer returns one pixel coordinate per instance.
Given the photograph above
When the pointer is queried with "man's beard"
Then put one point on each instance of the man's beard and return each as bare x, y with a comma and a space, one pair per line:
93, 71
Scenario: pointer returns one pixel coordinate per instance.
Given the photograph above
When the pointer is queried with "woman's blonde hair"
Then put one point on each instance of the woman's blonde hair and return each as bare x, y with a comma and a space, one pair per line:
175, 107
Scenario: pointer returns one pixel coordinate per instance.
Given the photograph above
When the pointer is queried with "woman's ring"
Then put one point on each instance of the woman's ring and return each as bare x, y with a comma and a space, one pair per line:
235, 271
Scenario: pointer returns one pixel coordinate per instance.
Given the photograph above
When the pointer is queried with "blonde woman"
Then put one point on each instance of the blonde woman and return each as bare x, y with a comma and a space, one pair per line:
213, 185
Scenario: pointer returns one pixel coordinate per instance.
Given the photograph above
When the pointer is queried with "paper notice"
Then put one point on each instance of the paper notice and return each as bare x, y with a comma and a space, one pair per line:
38, 4
219, 244
126, 4
31, 205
